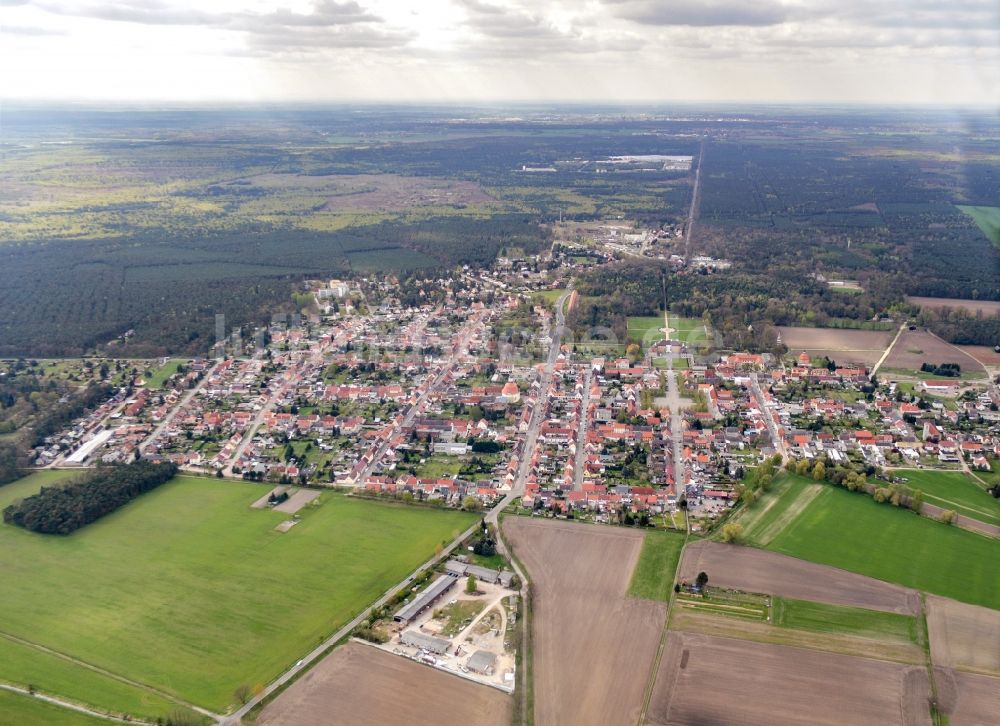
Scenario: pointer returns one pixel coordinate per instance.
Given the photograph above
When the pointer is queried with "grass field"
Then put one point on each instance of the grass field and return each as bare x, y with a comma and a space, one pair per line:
788, 497
851, 531
988, 219
159, 375
25, 666
954, 490
823, 618
189, 590
653, 578
19, 710
649, 329
28, 485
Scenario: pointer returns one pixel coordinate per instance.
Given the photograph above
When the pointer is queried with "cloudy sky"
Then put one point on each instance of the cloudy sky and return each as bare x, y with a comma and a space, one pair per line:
892, 51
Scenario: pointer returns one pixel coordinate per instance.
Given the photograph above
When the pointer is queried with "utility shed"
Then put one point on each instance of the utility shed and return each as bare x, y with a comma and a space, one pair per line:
416, 639
483, 662
424, 599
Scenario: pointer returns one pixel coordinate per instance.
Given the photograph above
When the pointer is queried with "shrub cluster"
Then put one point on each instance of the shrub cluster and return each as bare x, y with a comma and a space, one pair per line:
65, 509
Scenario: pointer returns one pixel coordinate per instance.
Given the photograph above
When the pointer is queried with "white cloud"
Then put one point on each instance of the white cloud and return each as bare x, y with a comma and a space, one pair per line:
608, 50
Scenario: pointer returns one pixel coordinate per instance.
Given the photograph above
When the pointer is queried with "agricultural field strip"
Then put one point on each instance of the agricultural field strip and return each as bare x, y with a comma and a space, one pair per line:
755, 570
17, 709
717, 623
580, 573
953, 490
67, 705
842, 529
748, 678
363, 685
790, 507
90, 688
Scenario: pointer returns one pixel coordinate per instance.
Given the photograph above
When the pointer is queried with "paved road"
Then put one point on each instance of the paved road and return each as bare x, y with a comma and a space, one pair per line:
459, 350
491, 516
693, 211
307, 661
581, 436
184, 401
779, 443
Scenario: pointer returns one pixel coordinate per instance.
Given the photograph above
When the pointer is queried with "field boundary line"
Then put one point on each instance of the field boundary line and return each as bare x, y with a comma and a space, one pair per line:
110, 674
69, 705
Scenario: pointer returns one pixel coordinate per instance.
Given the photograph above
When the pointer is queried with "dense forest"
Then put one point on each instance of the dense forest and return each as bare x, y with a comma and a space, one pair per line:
66, 508
741, 307
224, 211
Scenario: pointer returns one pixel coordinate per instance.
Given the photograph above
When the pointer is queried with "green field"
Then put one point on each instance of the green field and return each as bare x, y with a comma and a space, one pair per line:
954, 490
653, 577
649, 329
22, 710
841, 619
988, 219
159, 376
850, 531
24, 666
774, 511
28, 485
189, 590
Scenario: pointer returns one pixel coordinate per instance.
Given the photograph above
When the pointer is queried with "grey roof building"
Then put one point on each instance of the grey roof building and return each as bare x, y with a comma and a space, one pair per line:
482, 661
425, 599
416, 639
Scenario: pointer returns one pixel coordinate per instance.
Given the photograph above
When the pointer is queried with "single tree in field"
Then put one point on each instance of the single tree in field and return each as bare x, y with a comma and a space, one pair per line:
701, 580
470, 585
732, 532
242, 693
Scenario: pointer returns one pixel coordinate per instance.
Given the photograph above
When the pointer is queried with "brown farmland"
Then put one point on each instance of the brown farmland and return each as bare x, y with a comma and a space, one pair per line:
963, 636
968, 698
863, 347
916, 347
753, 570
987, 307
708, 680
593, 647
358, 685
982, 353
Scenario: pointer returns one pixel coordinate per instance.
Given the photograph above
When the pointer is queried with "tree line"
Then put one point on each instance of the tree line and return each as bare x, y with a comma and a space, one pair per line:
67, 508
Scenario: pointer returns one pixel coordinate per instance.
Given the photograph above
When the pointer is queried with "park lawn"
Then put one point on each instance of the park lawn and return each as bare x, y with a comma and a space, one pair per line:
954, 490
653, 577
19, 710
851, 531
987, 218
189, 590
25, 666
842, 619
160, 375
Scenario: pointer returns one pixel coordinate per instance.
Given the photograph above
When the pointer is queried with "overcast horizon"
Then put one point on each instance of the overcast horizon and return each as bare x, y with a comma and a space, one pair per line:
496, 52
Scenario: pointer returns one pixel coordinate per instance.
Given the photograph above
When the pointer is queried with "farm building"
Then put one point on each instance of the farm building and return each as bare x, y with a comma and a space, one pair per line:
425, 599
482, 662
430, 643
456, 568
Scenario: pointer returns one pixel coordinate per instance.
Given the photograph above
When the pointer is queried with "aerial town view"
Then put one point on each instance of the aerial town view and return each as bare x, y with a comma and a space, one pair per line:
334, 397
